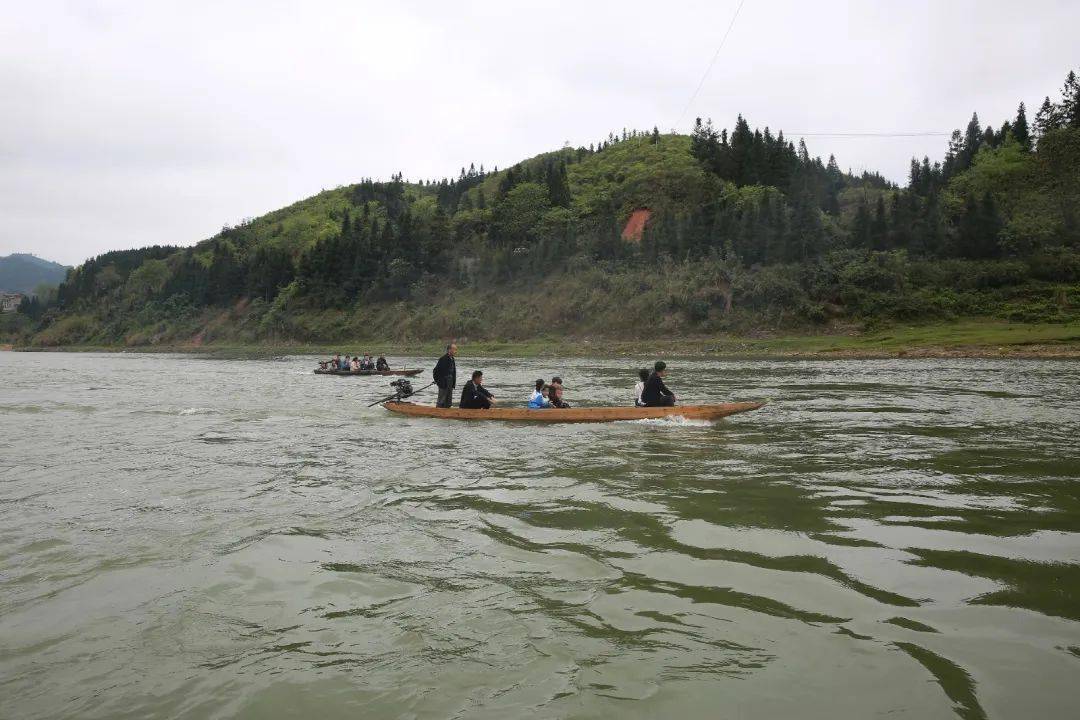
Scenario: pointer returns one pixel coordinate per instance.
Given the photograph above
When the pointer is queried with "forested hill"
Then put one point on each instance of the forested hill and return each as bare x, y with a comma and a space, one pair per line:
20, 273
733, 231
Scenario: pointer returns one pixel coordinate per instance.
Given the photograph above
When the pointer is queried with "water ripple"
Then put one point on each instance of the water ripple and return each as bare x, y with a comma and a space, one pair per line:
250, 540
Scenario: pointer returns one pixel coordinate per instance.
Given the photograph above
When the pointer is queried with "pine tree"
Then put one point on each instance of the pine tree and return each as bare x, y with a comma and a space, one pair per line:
558, 190
929, 175
835, 185
1020, 129
508, 182
804, 154
973, 138
758, 162
1070, 102
902, 209
978, 228
806, 231
742, 141
932, 230
860, 228
953, 155
879, 228
1048, 118
990, 225
436, 241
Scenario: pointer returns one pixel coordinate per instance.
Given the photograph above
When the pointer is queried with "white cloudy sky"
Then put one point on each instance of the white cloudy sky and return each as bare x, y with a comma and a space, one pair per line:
125, 124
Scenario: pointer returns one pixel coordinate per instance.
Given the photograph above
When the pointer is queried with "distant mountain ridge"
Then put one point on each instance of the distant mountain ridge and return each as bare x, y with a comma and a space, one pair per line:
22, 272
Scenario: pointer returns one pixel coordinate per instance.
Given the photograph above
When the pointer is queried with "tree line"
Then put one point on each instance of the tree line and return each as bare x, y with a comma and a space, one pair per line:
745, 198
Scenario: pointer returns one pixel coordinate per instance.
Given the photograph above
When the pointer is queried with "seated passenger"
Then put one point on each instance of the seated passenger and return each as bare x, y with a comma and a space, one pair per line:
539, 398
643, 374
656, 393
381, 365
369, 363
474, 396
344, 364
355, 364
555, 394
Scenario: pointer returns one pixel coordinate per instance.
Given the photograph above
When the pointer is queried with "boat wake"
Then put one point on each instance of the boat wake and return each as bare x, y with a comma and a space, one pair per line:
199, 411
671, 421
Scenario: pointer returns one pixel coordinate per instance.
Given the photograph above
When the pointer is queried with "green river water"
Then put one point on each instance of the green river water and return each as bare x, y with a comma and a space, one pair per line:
183, 537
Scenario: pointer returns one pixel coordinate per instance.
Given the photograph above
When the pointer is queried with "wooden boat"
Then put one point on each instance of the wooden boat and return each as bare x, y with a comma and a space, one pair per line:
574, 415
406, 373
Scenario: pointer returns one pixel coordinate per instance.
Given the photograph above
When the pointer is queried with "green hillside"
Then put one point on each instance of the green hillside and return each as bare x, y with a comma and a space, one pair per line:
747, 233
20, 273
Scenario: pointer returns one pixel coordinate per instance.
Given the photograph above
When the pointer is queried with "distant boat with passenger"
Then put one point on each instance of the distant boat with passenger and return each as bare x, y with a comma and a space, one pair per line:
354, 373
360, 366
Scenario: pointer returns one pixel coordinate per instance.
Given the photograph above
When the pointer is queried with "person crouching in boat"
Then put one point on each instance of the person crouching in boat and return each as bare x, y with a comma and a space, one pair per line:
656, 393
381, 365
539, 399
643, 375
555, 391
474, 396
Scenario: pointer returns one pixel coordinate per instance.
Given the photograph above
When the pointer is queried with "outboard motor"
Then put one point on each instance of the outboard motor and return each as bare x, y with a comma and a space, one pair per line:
402, 389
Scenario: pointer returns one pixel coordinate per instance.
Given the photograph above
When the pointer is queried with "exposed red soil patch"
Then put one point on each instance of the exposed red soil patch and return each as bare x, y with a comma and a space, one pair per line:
635, 226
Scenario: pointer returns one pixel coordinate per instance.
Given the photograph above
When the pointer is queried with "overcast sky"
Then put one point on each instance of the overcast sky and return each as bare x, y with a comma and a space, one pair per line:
125, 124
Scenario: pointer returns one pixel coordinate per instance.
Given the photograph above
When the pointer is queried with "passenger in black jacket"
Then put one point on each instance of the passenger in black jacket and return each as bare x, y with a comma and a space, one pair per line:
445, 376
656, 393
474, 396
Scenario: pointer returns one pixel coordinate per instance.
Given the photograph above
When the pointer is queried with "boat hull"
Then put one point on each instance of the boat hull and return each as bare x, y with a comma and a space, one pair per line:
367, 373
574, 415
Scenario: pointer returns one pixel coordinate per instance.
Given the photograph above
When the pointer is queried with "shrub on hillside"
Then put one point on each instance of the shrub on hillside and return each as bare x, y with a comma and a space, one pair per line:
1056, 264
70, 330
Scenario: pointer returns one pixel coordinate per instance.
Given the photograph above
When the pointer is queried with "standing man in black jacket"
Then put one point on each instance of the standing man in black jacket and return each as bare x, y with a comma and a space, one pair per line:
445, 376
656, 393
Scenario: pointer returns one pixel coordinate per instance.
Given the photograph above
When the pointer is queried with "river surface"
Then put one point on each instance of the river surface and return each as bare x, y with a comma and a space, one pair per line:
183, 537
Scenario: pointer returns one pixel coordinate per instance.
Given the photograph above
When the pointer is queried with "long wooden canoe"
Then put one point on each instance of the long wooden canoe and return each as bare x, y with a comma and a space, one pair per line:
574, 415
364, 373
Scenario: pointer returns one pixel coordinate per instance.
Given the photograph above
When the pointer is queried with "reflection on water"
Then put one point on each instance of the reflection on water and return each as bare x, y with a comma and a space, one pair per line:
182, 537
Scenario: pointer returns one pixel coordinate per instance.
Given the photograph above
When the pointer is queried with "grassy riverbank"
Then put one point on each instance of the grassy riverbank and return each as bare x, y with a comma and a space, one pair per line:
971, 338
